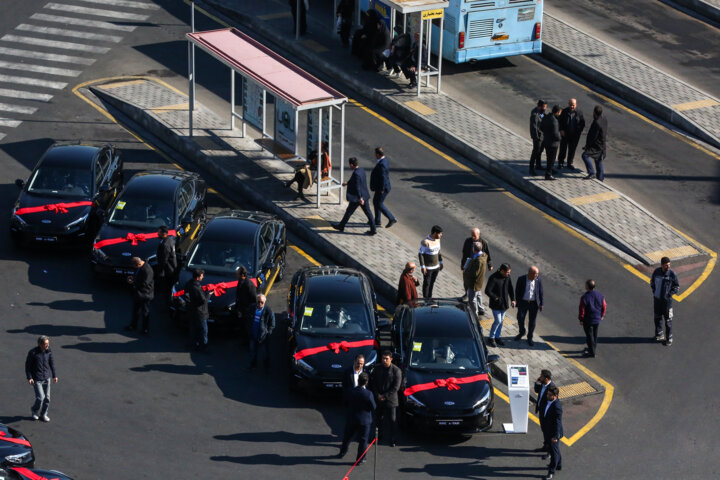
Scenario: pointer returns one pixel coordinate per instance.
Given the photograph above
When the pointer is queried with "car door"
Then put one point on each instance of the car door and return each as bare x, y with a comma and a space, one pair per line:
102, 191
184, 228
266, 239
116, 170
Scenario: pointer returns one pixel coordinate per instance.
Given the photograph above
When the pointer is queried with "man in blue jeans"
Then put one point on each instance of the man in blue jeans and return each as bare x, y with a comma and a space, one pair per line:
261, 327
501, 294
39, 369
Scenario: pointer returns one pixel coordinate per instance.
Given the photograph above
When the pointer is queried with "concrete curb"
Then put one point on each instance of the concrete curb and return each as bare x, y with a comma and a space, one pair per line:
703, 8
627, 92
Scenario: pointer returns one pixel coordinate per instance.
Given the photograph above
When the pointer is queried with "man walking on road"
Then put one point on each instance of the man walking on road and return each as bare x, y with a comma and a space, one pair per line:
552, 428
386, 384
262, 326
551, 140
572, 124
39, 370
590, 313
536, 134
542, 384
357, 195
431, 261
143, 293
595, 145
407, 287
664, 284
500, 291
467, 250
529, 296
361, 404
474, 278
380, 184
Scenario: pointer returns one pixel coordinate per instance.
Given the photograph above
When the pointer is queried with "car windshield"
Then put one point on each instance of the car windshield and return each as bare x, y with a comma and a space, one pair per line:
222, 257
143, 212
61, 181
445, 354
335, 319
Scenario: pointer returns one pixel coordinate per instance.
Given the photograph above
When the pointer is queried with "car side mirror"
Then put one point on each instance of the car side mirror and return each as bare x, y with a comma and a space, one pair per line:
20, 183
383, 324
493, 358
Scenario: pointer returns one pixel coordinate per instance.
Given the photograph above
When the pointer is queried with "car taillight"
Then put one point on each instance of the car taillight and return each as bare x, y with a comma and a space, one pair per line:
461, 40
538, 29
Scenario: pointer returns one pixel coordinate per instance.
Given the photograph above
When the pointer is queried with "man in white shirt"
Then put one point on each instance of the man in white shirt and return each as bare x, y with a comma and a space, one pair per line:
351, 375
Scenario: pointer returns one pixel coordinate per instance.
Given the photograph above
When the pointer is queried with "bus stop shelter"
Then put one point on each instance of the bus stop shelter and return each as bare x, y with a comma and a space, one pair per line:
263, 71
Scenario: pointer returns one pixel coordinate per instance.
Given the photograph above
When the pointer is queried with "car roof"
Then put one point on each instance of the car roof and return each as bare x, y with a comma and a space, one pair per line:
155, 184
76, 156
226, 226
441, 319
333, 285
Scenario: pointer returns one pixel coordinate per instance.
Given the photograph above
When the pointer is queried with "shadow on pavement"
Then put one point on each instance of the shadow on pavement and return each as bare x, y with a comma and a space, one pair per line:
275, 459
305, 439
58, 330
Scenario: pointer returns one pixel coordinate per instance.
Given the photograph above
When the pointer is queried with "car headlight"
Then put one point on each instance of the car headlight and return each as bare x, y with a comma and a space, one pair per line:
98, 253
372, 358
20, 458
80, 221
152, 259
414, 402
304, 366
483, 402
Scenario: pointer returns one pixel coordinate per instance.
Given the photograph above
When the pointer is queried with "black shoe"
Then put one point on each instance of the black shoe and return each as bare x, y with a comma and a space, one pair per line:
499, 342
362, 461
570, 166
491, 342
531, 343
371, 232
550, 177
337, 227
558, 468
391, 223
532, 172
392, 444
588, 177
588, 355
412, 85
545, 457
549, 476
518, 337
560, 166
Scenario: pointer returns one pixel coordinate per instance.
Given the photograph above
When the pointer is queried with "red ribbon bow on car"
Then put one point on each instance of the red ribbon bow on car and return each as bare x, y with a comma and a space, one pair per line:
335, 347
133, 238
451, 383
19, 441
30, 475
217, 289
53, 207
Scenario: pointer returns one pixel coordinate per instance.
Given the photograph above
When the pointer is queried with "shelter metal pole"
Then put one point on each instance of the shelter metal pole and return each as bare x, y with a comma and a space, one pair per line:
419, 56
334, 21
392, 22
232, 99
297, 19
191, 93
319, 156
342, 151
192, 16
264, 114
440, 52
429, 44
242, 89
297, 128
404, 22
330, 129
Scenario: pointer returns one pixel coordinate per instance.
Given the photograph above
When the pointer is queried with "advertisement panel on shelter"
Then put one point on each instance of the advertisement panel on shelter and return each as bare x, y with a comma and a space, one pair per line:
285, 124
252, 102
312, 128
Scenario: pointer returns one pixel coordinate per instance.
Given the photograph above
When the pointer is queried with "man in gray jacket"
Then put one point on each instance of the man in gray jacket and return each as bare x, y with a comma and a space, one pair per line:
664, 284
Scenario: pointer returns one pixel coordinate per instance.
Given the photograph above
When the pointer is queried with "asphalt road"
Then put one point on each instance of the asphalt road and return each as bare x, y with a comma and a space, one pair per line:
127, 402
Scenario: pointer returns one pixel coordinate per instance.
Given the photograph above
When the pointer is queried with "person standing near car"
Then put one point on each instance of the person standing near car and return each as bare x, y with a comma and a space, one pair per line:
143, 292
40, 373
245, 298
542, 384
351, 375
386, 382
407, 287
198, 311
552, 428
474, 278
262, 326
166, 262
431, 261
359, 418
500, 292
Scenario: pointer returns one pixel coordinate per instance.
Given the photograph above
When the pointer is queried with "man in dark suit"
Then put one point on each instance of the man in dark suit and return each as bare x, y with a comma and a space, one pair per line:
198, 312
551, 139
552, 427
261, 327
386, 382
536, 116
542, 384
166, 262
380, 184
529, 296
357, 196
351, 375
595, 145
245, 297
359, 417
143, 293
572, 124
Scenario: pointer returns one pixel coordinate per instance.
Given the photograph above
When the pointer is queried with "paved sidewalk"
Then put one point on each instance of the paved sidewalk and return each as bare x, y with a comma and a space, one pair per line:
257, 175
632, 79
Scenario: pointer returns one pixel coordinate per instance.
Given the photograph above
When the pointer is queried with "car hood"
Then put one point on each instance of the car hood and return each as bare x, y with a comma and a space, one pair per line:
47, 474
438, 398
10, 447
328, 361
126, 250
215, 301
50, 218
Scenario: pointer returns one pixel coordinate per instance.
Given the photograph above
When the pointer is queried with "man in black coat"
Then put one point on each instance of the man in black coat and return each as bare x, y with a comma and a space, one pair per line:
357, 195
467, 249
409, 65
551, 139
386, 381
501, 295
380, 184
359, 417
542, 384
245, 297
261, 327
529, 297
166, 262
595, 145
303, 15
40, 372
536, 116
552, 428
143, 293
572, 124
345, 11
198, 310
351, 375
380, 41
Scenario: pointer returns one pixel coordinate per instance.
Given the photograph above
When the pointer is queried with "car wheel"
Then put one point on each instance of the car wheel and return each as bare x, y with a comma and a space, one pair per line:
281, 268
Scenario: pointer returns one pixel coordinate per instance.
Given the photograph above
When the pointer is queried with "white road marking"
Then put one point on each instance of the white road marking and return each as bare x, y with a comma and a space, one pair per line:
125, 3
41, 97
7, 107
53, 57
36, 82
6, 122
98, 12
43, 42
40, 69
81, 21
68, 33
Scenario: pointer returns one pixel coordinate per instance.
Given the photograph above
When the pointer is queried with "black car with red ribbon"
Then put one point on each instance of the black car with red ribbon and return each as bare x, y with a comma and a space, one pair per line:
446, 378
15, 449
333, 317
231, 239
66, 195
171, 198
20, 473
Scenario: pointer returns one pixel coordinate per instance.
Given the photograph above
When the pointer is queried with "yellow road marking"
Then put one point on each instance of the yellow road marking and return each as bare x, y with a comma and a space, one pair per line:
677, 252
703, 276
273, 16
708, 102
305, 255
598, 197
419, 107
167, 108
110, 86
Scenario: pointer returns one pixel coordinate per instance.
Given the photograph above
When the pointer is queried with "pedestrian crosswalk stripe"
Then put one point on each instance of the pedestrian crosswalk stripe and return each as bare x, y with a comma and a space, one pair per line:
44, 42
125, 3
7, 122
98, 12
53, 57
81, 21
41, 97
36, 82
28, 67
8, 107
68, 33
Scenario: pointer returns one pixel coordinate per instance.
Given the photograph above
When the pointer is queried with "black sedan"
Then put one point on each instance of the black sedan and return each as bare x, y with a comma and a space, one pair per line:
232, 239
446, 380
66, 194
333, 317
170, 198
20, 473
15, 449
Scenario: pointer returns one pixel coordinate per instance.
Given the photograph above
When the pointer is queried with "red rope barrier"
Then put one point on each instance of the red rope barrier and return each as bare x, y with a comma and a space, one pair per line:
347, 475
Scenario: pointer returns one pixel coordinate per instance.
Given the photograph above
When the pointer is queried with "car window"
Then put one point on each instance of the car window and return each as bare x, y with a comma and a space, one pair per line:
267, 235
142, 212
222, 257
186, 193
334, 319
445, 353
61, 181
102, 164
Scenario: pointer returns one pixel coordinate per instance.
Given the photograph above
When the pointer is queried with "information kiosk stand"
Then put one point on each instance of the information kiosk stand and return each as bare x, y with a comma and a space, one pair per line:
519, 393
